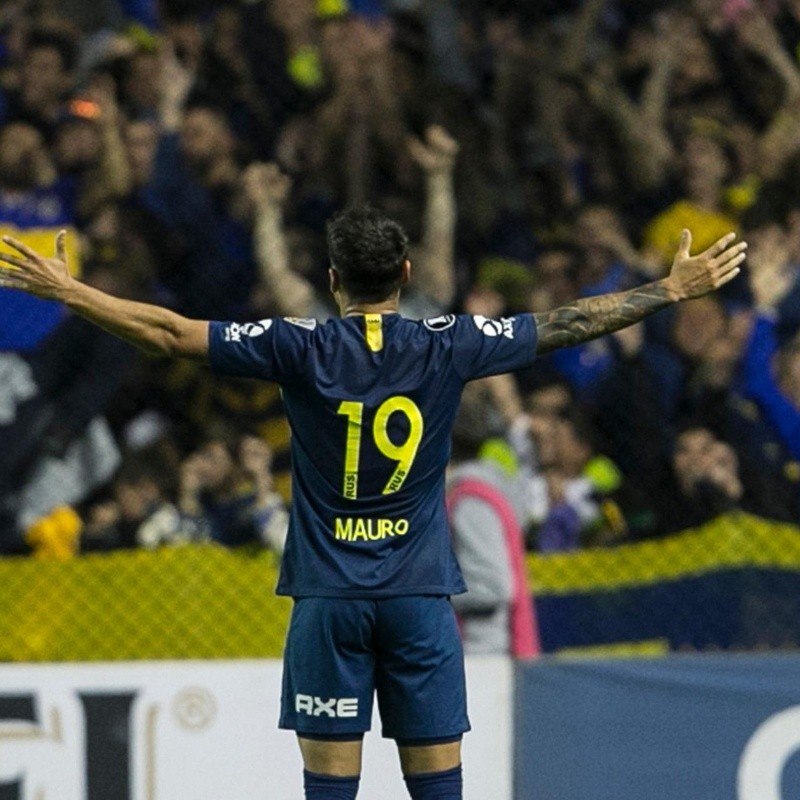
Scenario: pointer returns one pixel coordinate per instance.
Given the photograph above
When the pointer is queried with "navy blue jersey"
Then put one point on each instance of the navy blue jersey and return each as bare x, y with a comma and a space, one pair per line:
371, 401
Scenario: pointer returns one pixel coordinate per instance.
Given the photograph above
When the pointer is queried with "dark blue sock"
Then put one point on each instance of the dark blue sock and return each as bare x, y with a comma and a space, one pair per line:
329, 787
447, 785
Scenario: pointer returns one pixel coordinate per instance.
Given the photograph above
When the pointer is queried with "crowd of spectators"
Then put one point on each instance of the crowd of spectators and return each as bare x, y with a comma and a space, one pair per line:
535, 152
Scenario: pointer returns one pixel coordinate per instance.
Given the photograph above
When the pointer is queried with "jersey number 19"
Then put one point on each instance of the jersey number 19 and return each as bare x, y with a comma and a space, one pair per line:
403, 453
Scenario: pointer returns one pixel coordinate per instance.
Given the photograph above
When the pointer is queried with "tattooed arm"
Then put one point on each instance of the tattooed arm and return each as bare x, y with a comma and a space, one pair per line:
595, 316
690, 276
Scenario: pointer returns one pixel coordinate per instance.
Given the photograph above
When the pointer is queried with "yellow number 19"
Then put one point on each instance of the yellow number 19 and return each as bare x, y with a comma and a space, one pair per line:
404, 453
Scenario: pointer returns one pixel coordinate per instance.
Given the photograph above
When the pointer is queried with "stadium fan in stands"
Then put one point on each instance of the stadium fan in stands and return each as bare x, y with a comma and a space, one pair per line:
46, 75
196, 196
771, 363
55, 443
34, 198
484, 509
605, 261
705, 478
226, 490
268, 189
368, 557
140, 513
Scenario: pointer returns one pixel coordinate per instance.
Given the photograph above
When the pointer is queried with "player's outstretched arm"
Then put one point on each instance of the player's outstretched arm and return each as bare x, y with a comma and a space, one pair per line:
690, 277
155, 330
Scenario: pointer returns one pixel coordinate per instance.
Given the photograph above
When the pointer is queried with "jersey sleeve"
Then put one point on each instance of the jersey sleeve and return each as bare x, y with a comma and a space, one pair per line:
269, 349
483, 346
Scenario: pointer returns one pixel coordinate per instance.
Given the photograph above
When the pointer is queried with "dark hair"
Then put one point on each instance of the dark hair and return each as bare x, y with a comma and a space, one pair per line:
582, 429
140, 467
474, 424
201, 101
770, 209
695, 422
368, 250
224, 433
58, 40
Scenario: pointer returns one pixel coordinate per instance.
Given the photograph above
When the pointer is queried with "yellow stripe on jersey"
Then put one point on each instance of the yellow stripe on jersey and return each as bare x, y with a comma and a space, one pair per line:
374, 332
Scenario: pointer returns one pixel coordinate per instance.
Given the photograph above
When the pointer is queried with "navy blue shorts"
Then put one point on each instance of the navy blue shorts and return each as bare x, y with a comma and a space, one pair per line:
340, 652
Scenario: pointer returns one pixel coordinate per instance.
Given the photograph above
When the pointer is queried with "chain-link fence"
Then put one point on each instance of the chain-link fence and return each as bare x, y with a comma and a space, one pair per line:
184, 602
733, 584
535, 153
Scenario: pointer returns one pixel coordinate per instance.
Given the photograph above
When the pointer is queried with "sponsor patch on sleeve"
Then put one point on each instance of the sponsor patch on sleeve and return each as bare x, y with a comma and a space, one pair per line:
495, 327
235, 331
441, 323
308, 324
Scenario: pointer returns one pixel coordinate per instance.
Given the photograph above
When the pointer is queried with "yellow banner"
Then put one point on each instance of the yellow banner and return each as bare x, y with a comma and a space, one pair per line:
734, 541
43, 241
198, 602
185, 602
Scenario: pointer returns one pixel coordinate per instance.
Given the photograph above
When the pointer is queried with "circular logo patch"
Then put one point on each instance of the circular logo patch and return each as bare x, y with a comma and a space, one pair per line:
440, 323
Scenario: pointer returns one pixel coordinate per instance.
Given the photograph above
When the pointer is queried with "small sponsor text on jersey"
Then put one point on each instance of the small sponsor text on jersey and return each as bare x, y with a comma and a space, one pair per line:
308, 324
235, 331
495, 327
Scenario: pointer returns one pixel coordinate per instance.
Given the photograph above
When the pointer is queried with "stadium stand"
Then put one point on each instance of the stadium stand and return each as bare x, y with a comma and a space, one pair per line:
536, 152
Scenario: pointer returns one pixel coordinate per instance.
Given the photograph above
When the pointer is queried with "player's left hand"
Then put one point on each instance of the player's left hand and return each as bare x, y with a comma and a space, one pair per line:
35, 274
694, 276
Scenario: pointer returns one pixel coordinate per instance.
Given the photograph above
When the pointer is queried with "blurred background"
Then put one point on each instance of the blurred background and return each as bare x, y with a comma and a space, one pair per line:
536, 152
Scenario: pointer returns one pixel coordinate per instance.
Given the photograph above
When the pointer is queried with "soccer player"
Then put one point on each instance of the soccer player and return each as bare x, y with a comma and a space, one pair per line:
371, 399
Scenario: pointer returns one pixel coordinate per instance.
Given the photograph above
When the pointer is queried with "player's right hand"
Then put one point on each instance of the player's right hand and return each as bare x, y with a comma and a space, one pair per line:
48, 278
693, 276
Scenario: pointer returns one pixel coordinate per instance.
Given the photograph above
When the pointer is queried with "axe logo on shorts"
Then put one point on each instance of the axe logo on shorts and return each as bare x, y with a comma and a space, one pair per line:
332, 707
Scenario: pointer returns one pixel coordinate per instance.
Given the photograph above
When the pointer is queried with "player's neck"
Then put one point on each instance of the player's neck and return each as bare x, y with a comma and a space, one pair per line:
350, 308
